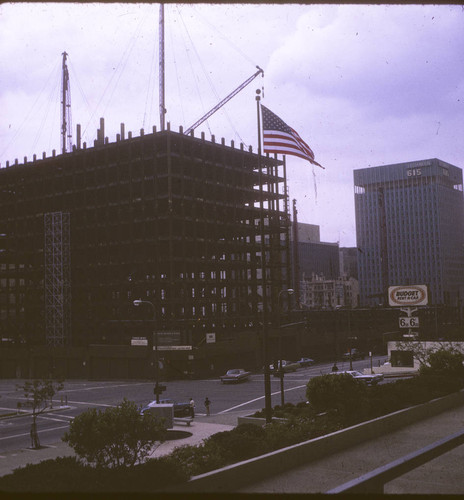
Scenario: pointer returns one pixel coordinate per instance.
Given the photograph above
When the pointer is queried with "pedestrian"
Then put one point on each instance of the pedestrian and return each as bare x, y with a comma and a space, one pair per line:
192, 408
207, 403
335, 367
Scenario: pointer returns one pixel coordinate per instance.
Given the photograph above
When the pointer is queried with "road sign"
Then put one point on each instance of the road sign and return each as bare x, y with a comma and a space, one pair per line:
173, 348
411, 295
409, 322
210, 338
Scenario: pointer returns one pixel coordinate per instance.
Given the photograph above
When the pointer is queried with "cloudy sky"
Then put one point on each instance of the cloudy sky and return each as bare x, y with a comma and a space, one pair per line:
364, 85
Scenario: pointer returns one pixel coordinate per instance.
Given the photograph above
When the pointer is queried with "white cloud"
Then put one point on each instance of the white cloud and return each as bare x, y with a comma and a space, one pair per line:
364, 85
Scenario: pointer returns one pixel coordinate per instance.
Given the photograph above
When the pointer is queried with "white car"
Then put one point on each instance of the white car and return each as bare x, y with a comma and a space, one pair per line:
371, 379
235, 376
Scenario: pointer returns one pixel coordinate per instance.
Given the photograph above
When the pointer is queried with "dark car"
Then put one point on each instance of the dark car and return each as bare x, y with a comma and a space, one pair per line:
235, 375
287, 366
305, 362
180, 409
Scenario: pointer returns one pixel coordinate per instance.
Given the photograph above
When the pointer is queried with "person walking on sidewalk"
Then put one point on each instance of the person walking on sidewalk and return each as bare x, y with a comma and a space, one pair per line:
192, 408
207, 404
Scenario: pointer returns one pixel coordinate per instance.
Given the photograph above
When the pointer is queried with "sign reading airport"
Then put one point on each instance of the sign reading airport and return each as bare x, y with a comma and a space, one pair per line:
410, 295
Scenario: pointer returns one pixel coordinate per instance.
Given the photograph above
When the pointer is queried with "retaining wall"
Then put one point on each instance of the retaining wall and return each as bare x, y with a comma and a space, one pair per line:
235, 476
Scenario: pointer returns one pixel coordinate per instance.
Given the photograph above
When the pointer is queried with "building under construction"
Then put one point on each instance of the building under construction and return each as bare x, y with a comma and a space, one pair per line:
165, 217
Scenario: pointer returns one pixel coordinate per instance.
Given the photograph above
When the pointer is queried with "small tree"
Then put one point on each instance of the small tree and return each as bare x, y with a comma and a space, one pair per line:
114, 437
39, 395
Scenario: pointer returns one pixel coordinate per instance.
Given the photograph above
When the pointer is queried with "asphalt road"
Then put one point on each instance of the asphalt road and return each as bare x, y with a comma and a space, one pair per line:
77, 396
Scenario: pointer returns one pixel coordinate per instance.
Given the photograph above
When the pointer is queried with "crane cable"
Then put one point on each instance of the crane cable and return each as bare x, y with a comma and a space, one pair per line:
31, 110
210, 81
191, 65
117, 73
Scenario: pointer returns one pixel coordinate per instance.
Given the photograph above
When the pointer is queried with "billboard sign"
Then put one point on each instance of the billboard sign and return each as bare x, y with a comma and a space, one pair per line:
139, 341
166, 338
410, 295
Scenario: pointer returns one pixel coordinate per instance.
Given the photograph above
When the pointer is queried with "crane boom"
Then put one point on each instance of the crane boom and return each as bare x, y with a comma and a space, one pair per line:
226, 99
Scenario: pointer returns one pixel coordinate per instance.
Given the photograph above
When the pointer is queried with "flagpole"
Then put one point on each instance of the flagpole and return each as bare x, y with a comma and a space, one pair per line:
267, 374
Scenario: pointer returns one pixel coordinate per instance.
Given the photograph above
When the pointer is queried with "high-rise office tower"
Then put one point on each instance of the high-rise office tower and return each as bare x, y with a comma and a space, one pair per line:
410, 230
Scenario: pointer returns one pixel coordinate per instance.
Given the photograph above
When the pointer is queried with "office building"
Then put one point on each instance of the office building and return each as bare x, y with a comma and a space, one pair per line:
410, 230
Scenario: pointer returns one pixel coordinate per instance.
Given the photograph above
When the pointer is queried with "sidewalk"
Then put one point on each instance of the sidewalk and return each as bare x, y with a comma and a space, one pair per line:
443, 475
201, 428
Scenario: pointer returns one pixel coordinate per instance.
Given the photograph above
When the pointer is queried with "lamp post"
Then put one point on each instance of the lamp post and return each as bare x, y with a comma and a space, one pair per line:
351, 347
289, 291
157, 390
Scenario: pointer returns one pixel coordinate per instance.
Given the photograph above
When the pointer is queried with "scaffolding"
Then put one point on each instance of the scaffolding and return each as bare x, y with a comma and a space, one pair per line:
57, 274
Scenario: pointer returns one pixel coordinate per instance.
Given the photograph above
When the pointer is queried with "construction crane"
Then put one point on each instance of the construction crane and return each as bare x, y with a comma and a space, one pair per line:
226, 99
66, 126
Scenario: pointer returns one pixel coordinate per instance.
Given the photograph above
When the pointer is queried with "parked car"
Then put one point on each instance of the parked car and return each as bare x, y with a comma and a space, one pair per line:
305, 361
234, 376
371, 379
180, 409
287, 366
355, 354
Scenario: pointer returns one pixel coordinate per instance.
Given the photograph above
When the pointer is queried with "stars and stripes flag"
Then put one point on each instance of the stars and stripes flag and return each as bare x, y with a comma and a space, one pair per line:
279, 138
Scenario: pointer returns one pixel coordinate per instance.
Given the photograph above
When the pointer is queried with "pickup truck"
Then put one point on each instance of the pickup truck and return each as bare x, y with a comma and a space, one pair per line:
180, 409
235, 376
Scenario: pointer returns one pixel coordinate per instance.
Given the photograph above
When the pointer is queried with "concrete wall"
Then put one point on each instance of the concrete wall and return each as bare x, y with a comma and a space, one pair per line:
249, 471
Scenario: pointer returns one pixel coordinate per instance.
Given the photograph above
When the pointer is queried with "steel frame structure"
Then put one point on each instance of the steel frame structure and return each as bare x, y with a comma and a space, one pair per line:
165, 217
57, 278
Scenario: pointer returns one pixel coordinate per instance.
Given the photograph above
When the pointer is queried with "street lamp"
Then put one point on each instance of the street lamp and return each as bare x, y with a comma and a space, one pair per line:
351, 347
289, 291
137, 303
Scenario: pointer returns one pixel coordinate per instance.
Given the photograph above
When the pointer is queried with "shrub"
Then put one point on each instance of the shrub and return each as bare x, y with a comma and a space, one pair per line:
114, 437
195, 460
68, 474
282, 434
61, 474
340, 395
445, 362
242, 442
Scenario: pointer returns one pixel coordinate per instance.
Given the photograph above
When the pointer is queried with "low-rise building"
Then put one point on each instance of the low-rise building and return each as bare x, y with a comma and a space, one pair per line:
321, 293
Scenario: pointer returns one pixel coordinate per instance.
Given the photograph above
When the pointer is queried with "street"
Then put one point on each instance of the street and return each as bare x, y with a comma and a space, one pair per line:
78, 396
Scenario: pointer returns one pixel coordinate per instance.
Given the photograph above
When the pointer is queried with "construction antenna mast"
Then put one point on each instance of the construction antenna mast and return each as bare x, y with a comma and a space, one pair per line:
162, 105
66, 125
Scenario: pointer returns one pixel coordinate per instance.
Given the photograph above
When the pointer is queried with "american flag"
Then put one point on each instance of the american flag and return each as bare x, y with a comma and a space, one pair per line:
278, 137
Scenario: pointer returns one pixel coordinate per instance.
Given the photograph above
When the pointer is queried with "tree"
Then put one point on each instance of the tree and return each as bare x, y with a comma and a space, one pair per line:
446, 362
422, 353
39, 396
115, 437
